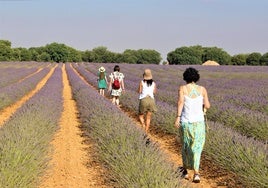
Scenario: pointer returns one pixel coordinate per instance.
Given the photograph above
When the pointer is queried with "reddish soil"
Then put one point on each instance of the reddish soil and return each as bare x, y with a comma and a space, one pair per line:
71, 155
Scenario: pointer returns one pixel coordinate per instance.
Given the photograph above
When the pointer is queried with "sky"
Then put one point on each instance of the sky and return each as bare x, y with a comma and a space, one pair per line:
236, 26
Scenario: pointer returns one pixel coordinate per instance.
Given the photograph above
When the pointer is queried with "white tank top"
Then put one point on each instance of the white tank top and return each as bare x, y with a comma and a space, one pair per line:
193, 107
147, 91
192, 110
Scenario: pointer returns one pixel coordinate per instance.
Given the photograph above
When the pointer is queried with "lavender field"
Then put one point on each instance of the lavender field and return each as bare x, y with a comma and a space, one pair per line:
237, 134
238, 120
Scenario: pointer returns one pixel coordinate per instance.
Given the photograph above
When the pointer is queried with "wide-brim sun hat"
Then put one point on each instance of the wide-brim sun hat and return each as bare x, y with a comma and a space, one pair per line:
102, 69
147, 75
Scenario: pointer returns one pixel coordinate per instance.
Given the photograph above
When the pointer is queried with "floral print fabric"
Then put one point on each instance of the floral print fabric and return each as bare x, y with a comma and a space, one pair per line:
193, 140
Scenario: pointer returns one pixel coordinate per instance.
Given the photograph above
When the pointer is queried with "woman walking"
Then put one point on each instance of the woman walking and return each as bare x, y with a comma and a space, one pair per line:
116, 85
147, 89
192, 101
102, 80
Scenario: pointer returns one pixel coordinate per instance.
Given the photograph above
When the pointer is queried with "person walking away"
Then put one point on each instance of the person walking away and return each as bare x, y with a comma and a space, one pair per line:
146, 90
116, 85
102, 80
192, 101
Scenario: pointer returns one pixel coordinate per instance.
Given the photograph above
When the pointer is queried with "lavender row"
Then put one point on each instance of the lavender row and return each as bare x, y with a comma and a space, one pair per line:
244, 156
12, 75
14, 92
121, 144
25, 138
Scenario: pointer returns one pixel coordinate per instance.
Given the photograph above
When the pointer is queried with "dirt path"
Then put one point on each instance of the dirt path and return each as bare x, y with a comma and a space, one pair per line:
71, 155
6, 113
169, 146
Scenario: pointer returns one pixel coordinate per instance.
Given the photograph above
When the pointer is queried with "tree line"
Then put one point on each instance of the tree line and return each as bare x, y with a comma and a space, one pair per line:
56, 52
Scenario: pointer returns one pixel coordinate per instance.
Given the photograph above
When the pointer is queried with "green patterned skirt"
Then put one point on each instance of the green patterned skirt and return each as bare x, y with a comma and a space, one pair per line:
193, 139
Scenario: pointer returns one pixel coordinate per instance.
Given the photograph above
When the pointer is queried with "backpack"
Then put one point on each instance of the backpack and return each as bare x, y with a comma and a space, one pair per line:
116, 83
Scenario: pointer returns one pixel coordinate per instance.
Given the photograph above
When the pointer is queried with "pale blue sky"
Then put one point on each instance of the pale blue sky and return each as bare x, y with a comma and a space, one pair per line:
237, 26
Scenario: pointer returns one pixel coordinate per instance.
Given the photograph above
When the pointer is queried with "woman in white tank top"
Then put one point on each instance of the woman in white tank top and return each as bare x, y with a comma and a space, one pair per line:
147, 89
192, 101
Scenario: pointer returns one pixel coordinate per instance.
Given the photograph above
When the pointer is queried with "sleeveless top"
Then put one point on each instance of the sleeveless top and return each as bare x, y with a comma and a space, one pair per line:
193, 107
147, 91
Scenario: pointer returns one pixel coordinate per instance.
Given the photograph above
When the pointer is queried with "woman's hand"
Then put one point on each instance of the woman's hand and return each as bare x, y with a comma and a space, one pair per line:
177, 122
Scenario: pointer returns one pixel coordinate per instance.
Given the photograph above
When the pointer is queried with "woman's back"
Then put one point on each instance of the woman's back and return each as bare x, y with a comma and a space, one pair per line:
193, 104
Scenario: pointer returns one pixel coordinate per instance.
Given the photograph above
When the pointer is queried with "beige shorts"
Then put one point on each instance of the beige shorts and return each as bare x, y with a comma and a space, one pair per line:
147, 104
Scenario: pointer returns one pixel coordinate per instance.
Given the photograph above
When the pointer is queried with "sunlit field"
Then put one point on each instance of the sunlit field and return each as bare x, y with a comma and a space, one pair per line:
237, 126
237, 121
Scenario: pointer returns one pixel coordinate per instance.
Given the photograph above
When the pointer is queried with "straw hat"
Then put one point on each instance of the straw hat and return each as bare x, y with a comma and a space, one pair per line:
102, 69
147, 75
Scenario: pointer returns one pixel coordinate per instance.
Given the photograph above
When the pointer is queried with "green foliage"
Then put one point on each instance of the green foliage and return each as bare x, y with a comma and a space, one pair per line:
253, 58
198, 55
58, 52
5, 50
5, 43
45, 57
239, 59
216, 54
185, 56
74, 55
87, 56
194, 55
264, 59
141, 56
25, 54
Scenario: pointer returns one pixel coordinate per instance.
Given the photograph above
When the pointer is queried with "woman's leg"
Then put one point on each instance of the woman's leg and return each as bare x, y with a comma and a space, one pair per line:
141, 117
117, 100
148, 121
113, 100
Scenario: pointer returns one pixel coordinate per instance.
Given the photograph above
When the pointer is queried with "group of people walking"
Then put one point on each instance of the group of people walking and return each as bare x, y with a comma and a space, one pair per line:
192, 102
115, 86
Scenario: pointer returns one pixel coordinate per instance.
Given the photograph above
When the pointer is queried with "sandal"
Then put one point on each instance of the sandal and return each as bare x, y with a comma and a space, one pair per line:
196, 178
184, 173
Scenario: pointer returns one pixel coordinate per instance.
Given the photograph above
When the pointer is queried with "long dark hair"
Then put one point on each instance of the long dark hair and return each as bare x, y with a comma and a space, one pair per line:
102, 75
149, 82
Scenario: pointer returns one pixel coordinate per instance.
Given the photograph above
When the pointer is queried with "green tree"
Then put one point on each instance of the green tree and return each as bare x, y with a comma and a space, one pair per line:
35, 56
130, 56
57, 52
5, 50
141, 56
146, 56
185, 56
87, 56
239, 59
254, 58
25, 54
45, 57
216, 54
16, 54
264, 59
74, 55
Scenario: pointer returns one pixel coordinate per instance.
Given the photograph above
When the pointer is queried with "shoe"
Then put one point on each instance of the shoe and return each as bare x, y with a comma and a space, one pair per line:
184, 173
196, 178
